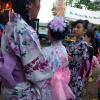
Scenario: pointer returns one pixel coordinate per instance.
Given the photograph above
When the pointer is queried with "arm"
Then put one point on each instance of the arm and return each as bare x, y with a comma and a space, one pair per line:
26, 47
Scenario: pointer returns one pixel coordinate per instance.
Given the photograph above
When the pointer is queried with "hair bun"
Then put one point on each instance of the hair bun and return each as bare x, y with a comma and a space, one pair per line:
86, 23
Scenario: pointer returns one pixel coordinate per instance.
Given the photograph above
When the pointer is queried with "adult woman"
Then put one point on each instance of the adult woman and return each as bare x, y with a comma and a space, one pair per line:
79, 56
22, 61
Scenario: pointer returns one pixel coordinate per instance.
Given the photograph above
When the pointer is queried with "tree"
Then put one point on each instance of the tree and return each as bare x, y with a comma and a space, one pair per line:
89, 4
69, 2
94, 5
54, 10
58, 8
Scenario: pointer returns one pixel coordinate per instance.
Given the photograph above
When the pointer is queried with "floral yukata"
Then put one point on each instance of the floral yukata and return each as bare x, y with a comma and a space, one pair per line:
79, 53
58, 57
22, 64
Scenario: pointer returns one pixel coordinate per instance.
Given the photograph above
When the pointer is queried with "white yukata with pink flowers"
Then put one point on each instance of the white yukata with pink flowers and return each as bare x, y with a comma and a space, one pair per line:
22, 64
57, 55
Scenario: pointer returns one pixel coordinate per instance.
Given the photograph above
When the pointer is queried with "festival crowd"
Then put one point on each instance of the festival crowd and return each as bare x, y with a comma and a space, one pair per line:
29, 71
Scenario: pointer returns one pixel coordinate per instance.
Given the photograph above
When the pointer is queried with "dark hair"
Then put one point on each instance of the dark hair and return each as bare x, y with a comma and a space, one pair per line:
95, 29
1, 18
97, 39
19, 6
57, 35
90, 34
4, 18
83, 22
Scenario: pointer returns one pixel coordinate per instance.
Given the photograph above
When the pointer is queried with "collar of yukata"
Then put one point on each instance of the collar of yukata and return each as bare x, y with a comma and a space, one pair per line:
79, 39
13, 17
54, 43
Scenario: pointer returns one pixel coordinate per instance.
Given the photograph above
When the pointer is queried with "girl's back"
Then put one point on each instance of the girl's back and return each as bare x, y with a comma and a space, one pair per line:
57, 55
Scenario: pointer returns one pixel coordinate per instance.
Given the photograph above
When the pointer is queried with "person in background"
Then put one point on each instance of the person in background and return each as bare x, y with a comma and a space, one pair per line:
90, 39
79, 58
97, 41
95, 30
22, 63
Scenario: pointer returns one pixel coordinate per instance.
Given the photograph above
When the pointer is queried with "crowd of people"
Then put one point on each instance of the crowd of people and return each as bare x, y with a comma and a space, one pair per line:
56, 72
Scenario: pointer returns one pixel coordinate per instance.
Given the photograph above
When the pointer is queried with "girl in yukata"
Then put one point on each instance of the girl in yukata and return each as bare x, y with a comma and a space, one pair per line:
97, 41
22, 64
58, 58
79, 59
90, 39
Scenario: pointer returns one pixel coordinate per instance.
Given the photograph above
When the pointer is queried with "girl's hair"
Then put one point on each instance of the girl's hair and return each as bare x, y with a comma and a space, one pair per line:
83, 22
90, 34
57, 35
20, 7
97, 39
58, 28
4, 18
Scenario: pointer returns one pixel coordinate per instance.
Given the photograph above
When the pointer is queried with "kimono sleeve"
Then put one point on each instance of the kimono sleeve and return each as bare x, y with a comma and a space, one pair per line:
26, 46
7, 65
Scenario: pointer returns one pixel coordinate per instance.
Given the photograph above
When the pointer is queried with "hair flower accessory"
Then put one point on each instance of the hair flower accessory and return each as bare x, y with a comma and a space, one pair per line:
58, 24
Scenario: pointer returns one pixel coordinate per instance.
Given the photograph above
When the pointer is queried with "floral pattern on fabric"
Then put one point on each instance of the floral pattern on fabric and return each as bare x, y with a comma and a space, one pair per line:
79, 52
24, 42
19, 93
57, 56
21, 40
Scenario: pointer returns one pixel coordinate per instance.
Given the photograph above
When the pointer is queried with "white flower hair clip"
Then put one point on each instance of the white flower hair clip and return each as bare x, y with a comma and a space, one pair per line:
58, 24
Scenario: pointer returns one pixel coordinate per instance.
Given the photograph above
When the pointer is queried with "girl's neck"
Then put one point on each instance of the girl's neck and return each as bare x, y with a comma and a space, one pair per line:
56, 42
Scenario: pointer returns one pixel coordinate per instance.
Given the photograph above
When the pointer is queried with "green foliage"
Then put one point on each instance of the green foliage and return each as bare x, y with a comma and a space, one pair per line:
70, 2
95, 6
54, 10
90, 5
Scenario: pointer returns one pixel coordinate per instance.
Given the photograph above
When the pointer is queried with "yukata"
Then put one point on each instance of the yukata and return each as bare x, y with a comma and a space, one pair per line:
95, 62
90, 64
78, 64
58, 57
99, 59
22, 63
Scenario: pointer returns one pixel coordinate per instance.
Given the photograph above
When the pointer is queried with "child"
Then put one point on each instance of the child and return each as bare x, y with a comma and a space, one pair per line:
80, 57
97, 40
90, 39
58, 58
